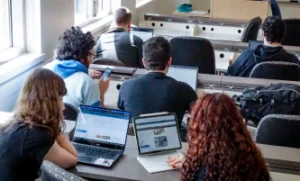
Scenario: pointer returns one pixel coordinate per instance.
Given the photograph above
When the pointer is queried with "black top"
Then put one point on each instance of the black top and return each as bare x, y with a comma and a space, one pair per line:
156, 92
249, 58
120, 45
22, 152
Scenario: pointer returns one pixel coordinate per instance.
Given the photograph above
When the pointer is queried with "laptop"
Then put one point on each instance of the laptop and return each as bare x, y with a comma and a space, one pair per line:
158, 138
144, 33
185, 74
100, 135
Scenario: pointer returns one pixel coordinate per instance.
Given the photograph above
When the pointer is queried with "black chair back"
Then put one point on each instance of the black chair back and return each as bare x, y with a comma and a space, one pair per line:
279, 130
291, 35
193, 51
70, 112
276, 70
251, 30
108, 61
51, 172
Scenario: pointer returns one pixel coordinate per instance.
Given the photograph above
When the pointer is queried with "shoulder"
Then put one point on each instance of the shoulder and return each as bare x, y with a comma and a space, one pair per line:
137, 40
38, 137
79, 78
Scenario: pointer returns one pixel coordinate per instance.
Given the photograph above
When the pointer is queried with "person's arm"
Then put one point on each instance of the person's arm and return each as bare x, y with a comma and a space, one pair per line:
103, 86
275, 8
139, 44
237, 67
60, 155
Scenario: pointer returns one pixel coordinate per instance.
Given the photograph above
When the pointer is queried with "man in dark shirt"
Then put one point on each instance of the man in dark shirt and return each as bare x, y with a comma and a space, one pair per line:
270, 50
156, 92
118, 43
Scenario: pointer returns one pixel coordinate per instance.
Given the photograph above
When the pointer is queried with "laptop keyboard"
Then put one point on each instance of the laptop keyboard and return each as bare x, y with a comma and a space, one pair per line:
96, 152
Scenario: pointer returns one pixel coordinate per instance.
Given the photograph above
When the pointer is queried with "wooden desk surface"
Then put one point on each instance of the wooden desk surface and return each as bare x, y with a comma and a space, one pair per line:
128, 168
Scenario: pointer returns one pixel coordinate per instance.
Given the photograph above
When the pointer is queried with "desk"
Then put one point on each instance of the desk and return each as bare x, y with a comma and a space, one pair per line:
128, 168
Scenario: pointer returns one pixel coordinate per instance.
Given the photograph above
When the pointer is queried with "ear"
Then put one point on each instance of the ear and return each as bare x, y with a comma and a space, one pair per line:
144, 63
169, 62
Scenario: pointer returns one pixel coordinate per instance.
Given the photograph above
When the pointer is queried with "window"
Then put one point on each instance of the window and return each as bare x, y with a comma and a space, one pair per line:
87, 11
5, 28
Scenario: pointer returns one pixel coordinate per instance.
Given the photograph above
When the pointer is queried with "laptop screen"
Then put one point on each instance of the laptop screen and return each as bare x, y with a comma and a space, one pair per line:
102, 127
144, 33
157, 133
185, 74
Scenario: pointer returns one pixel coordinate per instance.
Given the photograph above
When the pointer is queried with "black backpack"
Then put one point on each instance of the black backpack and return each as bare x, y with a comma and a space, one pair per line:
255, 103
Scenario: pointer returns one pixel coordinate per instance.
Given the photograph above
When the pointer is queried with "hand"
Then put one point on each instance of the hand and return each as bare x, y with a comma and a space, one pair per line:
176, 162
103, 85
95, 74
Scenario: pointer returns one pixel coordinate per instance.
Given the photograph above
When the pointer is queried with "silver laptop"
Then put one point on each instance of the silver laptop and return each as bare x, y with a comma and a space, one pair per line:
144, 33
158, 138
185, 74
100, 135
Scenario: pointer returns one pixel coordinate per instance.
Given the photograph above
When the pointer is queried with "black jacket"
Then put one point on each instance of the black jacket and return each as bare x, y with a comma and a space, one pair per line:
120, 45
249, 58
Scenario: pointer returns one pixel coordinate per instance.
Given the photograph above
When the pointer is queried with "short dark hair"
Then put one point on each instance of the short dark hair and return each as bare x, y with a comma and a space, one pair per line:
156, 52
122, 16
273, 28
74, 45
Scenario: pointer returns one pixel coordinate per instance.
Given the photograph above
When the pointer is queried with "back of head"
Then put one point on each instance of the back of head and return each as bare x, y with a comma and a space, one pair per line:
156, 53
39, 100
219, 141
122, 16
73, 44
273, 29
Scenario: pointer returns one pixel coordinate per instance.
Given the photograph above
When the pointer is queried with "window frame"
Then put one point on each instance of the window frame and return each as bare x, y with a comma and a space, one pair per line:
16, 16
92, 12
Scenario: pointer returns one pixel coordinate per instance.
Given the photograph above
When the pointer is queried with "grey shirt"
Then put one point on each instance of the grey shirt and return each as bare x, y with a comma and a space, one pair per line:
120, 45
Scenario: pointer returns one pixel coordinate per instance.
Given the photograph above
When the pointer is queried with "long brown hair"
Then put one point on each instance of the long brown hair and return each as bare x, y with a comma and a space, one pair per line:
38, 103
220, 142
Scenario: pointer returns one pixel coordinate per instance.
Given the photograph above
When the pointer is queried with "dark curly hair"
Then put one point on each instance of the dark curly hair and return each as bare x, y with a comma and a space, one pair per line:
75, 45
220, 143
273, 28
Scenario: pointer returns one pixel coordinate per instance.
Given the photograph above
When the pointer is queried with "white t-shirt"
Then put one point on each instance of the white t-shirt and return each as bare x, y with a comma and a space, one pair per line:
82, 89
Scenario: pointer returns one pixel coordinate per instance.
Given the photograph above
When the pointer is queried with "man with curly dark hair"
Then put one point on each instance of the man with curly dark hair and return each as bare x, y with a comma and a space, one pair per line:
271, 49
118, 43
73, 56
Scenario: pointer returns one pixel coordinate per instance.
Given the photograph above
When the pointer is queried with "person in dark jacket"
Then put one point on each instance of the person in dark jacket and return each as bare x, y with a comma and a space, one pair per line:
220, 146
118, 43
270, 50
275, 8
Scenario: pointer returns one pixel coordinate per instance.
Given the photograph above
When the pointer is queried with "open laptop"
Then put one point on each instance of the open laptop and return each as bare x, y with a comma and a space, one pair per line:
158, 138
100, 135
144, 33
185, 74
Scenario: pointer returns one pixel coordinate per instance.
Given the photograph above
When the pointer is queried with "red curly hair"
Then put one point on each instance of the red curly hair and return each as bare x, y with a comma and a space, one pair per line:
220, 142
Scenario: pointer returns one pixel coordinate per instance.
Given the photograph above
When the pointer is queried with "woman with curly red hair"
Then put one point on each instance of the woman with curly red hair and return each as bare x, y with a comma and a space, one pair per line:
220, 146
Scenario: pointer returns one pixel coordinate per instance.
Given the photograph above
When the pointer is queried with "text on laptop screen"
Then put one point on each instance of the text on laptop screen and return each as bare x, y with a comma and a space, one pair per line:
157, 133
184, 74
144, 34
102, 125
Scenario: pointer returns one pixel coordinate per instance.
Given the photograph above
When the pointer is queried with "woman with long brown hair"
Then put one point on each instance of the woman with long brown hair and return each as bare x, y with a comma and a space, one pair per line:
35, 131
220, 146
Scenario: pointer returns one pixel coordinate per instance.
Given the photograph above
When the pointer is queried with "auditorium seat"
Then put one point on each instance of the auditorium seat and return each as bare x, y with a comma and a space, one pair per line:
292, 29
108, 61
51, 172
251, 30
193, 51
276, 70
70, 112
279, 130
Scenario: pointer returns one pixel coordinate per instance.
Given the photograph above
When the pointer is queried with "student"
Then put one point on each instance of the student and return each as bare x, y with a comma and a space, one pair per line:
271, 50
118, 44
35, 132
156, 92
220, 147
73, 57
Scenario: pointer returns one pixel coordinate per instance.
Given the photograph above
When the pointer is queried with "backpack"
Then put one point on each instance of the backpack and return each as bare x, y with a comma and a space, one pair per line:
255, 103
